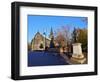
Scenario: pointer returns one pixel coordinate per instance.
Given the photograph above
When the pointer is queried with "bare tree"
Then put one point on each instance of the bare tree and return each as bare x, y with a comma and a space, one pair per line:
63, 35
66, 33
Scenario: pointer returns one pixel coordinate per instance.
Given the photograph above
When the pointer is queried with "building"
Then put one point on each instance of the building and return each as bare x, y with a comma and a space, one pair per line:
39, 42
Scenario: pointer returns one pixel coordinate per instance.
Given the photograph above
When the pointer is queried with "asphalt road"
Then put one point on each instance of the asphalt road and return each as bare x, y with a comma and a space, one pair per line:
37, 58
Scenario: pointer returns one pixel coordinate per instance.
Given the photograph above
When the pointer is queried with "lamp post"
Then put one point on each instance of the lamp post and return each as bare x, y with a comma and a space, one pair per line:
44, 40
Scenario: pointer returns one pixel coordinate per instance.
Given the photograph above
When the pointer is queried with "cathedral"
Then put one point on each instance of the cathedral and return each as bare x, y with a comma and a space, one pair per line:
40, 42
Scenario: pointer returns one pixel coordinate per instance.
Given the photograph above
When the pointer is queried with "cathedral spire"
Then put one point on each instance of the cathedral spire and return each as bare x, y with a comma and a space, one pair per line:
52, 45
51, 34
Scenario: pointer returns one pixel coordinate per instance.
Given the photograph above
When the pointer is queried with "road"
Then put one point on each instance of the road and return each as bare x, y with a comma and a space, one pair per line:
37, 58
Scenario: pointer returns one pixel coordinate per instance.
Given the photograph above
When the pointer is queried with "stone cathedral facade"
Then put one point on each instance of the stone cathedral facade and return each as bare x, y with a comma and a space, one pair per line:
40, 42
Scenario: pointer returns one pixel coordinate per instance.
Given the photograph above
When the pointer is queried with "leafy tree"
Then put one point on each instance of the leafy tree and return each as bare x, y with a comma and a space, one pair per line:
82, 38
52, 45
41, 45
29, 46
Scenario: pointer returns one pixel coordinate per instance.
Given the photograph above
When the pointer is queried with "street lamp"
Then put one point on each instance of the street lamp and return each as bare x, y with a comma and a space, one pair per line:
44, 40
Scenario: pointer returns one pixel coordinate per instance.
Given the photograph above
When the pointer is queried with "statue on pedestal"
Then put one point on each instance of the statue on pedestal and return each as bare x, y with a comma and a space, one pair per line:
77, 56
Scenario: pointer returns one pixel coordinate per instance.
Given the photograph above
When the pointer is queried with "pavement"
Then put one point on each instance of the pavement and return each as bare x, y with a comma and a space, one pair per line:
40, 58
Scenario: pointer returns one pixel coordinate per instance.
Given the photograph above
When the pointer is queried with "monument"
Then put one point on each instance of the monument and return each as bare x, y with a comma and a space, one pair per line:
77, 51
77, 56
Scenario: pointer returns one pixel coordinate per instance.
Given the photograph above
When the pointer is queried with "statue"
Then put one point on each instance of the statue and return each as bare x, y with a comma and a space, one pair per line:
75, 35
77, 56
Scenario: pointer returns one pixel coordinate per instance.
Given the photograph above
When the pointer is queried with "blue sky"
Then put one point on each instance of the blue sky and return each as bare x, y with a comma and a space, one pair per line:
45, 23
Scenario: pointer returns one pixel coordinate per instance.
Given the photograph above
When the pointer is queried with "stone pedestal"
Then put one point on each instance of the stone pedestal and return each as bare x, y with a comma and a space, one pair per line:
77, 56
77, 51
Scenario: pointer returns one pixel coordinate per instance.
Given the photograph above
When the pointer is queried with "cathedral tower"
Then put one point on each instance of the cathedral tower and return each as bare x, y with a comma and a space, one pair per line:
51, 34
52, 39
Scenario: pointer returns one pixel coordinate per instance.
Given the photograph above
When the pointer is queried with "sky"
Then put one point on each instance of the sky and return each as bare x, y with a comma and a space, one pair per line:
43, 23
